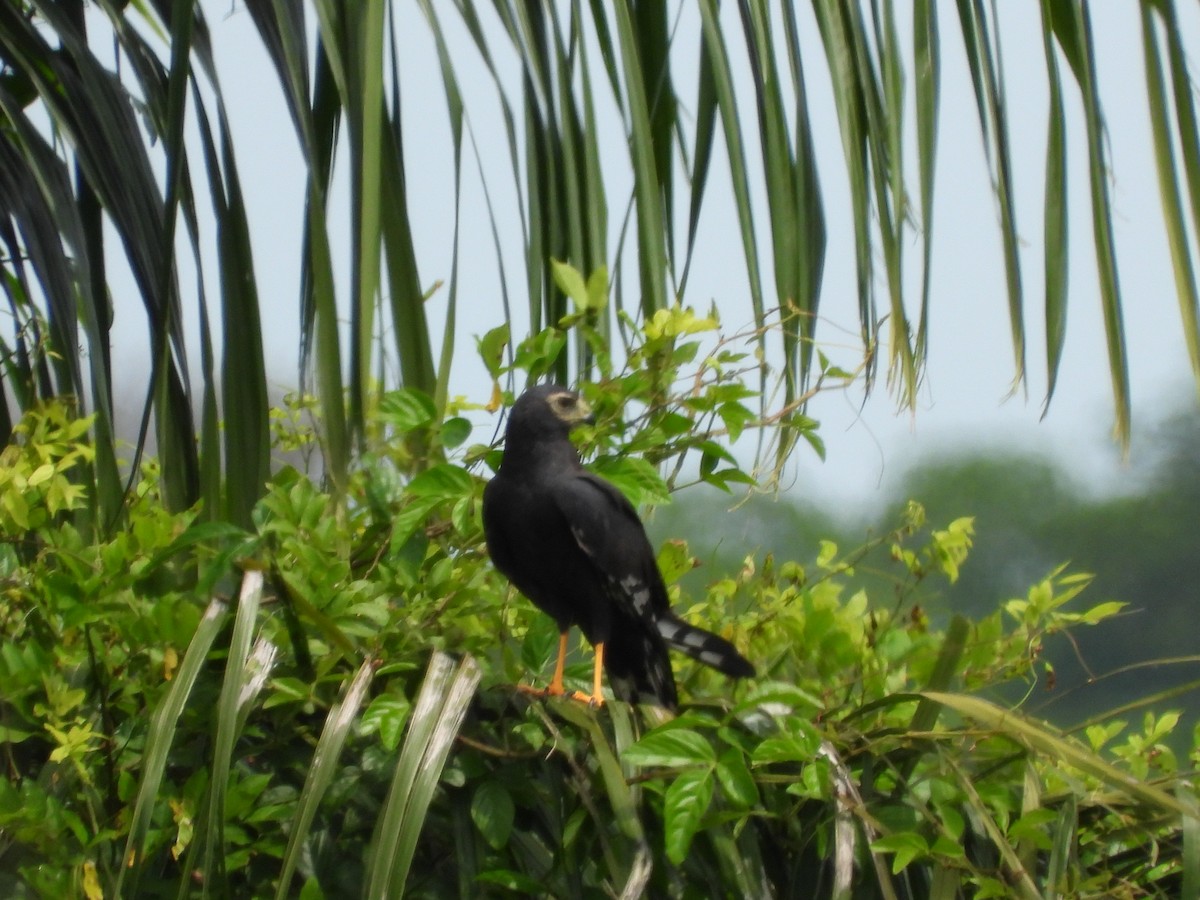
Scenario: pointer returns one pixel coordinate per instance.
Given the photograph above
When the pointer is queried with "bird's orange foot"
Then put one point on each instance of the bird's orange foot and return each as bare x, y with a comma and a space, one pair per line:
593, 700
559, 691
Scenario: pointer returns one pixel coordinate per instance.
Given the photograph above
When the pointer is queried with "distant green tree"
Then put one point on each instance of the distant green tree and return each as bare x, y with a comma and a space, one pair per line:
1030, 517
1138, 542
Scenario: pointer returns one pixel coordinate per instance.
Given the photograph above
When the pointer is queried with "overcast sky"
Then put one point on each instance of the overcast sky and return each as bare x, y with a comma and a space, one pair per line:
971, 361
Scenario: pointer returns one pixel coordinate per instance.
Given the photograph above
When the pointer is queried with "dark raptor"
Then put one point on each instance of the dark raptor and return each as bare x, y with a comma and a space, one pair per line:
574, 545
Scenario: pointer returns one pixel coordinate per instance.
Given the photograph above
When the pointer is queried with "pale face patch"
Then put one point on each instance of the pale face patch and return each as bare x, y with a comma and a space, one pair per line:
569, 407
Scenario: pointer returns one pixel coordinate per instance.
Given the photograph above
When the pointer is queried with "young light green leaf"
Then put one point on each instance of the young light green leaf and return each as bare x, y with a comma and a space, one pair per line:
570, 282
491, 349
906, 847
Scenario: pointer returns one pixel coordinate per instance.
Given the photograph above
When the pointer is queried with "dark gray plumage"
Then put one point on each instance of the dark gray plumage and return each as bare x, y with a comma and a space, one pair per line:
573, 544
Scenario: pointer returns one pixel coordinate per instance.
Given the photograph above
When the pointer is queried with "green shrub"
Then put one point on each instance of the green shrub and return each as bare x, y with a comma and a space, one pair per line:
325, 706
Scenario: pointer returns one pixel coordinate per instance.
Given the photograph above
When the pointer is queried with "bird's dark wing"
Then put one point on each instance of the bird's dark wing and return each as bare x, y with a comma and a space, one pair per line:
608, 532
529, 542
607, 529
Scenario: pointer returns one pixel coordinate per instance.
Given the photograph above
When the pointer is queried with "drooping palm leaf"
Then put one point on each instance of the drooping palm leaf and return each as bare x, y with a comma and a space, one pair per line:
98, 151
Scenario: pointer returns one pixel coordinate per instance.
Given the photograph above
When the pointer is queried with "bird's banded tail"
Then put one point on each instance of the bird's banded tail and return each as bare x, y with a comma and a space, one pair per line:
704, 646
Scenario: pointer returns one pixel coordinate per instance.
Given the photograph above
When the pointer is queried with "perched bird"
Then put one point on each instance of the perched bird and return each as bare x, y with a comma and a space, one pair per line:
573, 544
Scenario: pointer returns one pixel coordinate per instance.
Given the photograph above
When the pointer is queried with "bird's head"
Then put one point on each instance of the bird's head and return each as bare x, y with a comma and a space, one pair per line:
549, 410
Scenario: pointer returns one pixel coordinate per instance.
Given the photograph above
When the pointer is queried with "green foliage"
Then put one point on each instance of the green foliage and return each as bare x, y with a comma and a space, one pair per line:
194, 708
36, 483
684, 393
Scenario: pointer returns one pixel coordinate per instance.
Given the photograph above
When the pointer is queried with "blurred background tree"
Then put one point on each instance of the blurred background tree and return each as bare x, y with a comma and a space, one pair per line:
1032, 514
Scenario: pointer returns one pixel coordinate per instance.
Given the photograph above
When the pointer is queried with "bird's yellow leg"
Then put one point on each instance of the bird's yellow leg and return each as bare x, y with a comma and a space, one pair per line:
597, 698
556, 688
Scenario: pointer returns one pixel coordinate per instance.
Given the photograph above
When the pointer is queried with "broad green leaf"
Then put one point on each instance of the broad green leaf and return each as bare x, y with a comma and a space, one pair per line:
786, 748
674, 560
571, 283
637, 479
736, 781
684, 805
492, 811
517, 882
412, 516
905, 847
671, 748
455, 431
491, 349
386, 716
770, 696
443, 481
407, 409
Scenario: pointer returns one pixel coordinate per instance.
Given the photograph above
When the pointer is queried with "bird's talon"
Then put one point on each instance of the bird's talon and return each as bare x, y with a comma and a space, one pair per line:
577, 697
561, 693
